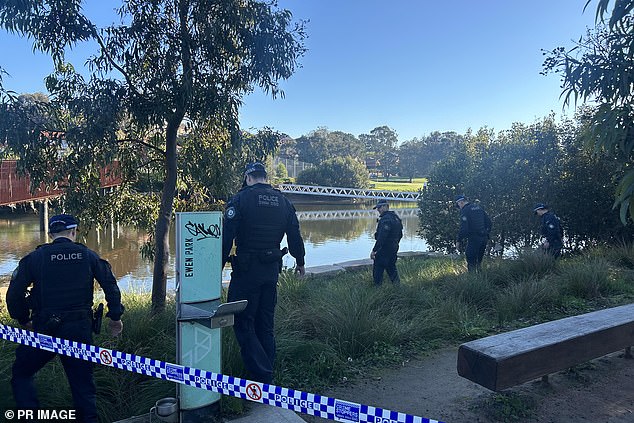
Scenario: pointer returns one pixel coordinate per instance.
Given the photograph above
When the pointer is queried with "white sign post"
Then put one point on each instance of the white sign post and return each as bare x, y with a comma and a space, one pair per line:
198, 289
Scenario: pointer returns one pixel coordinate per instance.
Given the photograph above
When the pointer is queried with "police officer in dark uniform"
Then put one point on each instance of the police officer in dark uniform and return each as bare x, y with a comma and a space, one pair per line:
389, 232
475, 226
62, 274
551, 230
257, 218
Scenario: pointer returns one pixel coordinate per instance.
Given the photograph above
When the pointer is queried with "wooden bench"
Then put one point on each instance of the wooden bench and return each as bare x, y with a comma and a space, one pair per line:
509, 359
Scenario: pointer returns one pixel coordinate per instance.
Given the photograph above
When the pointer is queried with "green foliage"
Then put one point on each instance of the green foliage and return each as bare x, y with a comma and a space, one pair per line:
337, 172
167, 72
322, 144
281, 172
532, 263
598, 69
417, 157
543, 162
619, 255
510, 407
525, 298
381, 143
589, 278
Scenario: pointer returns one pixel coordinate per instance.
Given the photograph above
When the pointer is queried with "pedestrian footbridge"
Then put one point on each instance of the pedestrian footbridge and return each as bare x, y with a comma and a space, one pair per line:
349, 214
349, 192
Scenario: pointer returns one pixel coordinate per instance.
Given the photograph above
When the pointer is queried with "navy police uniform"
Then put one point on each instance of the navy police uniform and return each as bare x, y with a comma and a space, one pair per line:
62, 274
475, 227
551, 230
389, 232
257, 218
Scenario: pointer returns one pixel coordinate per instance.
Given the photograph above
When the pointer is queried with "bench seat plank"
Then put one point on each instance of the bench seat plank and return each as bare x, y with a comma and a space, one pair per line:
501, 361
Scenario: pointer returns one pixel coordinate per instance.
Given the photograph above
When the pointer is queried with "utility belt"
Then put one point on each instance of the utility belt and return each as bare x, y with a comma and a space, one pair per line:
50, 321
244, 258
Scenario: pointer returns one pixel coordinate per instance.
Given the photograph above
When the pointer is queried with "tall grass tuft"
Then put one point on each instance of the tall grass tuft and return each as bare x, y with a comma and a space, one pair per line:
474, 289
525, 297
463, 321
358, 318
621, 255
531, 263
588, 278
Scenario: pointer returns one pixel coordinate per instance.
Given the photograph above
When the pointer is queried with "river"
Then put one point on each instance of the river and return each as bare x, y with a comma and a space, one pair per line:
332, 234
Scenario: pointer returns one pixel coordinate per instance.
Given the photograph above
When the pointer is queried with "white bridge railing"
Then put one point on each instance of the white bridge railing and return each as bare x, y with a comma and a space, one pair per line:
305, 216
349, 192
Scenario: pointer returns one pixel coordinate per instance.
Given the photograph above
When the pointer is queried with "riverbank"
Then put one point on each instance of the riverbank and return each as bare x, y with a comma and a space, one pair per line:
338, 329
351, 265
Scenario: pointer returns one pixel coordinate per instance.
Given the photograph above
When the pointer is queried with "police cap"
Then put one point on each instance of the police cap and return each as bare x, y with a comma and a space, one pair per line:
460, 197
539, 206
381, 203
254, 167
61, 222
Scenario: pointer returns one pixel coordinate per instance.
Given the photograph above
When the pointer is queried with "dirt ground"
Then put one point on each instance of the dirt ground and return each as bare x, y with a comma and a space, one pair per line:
601, 391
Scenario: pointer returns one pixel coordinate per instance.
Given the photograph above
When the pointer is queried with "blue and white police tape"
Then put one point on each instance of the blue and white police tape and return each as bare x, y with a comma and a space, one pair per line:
303, 402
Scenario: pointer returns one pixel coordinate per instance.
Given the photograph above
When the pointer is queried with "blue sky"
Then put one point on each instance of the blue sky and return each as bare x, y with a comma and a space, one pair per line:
416, 66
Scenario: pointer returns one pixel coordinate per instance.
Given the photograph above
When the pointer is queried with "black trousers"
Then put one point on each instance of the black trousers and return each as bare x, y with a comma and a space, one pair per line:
554, 248
254, 328
476, 246
385, 263
29, 360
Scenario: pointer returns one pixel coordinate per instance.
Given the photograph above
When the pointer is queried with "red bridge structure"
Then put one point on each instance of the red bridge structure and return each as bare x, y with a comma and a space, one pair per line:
16, 189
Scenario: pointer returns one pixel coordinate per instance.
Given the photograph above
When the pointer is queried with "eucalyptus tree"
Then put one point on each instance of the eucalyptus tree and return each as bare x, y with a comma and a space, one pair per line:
347, 172
166, 67
323, 144
599, 69
417, 157
382, 143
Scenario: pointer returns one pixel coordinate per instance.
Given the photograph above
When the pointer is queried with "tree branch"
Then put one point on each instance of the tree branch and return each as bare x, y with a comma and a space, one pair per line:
146, 144
113, 63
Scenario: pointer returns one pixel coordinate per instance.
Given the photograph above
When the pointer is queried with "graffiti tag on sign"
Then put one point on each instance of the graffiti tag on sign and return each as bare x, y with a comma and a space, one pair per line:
202, 231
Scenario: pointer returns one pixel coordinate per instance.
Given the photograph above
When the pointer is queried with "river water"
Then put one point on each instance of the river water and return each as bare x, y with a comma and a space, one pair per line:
333, 233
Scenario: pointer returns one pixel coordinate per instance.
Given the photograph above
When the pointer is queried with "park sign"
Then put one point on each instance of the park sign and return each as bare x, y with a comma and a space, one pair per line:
198, 288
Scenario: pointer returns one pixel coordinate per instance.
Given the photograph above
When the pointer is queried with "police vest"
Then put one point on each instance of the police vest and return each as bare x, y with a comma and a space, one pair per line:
64, 279
265, 214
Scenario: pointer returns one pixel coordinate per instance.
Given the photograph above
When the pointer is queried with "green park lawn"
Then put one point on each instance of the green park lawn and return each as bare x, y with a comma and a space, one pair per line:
415, 185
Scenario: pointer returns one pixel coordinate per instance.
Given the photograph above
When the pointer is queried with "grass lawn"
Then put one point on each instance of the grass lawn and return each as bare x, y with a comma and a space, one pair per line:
414, 186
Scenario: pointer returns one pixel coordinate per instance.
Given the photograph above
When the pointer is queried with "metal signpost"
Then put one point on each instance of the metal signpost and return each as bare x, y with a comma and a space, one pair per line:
199, 313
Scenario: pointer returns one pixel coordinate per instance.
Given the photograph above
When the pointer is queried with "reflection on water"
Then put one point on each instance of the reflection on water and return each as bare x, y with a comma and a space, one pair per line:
20, 234
343, 232
332, 234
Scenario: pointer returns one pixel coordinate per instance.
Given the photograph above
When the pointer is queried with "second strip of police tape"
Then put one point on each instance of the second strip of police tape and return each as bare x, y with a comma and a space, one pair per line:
303, 402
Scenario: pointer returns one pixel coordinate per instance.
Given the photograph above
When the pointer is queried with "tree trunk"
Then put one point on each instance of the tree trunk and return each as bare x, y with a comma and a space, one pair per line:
161, 260
161, 234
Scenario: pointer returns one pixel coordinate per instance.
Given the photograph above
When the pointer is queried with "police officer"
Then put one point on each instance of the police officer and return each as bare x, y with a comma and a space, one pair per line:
389, 232
551, 230
257, 218
62, 274
475, 227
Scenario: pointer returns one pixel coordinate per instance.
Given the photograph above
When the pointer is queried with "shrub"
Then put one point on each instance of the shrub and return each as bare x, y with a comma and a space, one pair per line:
338, 172
281, 172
